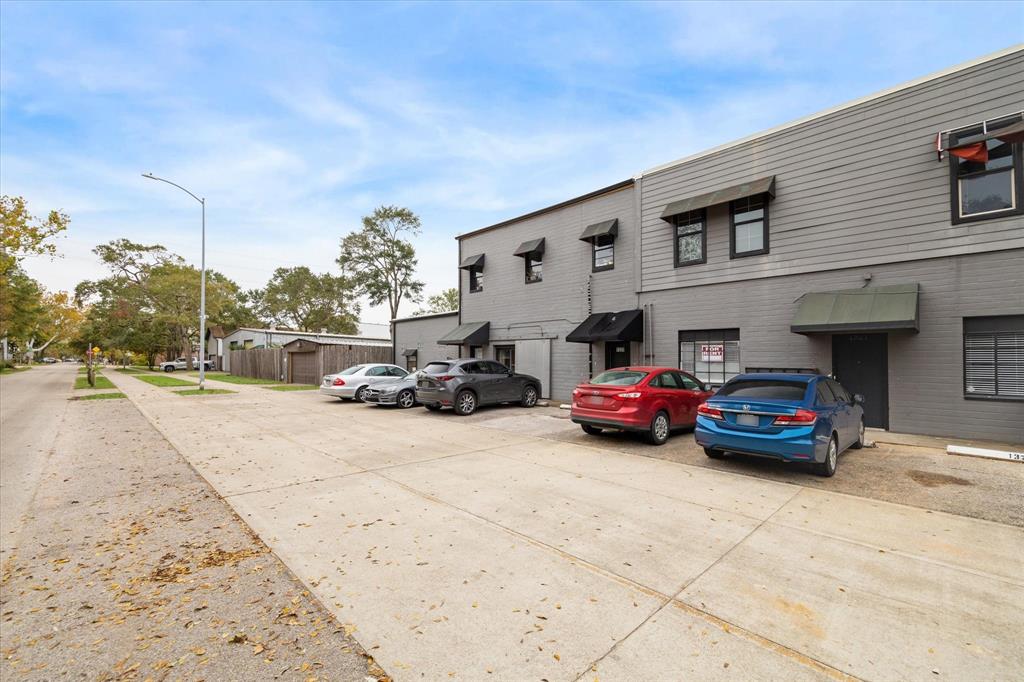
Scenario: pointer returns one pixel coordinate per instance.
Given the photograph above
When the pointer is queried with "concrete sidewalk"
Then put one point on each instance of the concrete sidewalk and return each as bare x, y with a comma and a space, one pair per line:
456, 551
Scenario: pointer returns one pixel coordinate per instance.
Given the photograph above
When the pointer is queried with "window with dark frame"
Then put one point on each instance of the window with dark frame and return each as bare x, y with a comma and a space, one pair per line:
690, 238
994, 357
604, 252
711, 355
410, 362
989, 183
506, 355
534, 268
748, 233
476, 280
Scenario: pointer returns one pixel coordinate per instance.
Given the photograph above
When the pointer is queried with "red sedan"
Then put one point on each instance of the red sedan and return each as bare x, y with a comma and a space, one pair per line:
648, 400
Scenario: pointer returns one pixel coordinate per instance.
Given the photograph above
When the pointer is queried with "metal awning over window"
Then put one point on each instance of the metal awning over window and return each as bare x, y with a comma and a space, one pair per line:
977, 148
472, 262
627, 325
871, 309
469, 333
534, 247
721, 196
409, 352
608, 228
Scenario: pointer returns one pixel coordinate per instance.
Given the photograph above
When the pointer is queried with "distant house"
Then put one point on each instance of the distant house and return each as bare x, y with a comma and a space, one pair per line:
245, 338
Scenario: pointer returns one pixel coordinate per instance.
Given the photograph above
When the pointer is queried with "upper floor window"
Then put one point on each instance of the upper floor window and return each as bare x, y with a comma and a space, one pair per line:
985, 171
690, 237
749, 230
476, 281
475, 266
604, 252
534, 268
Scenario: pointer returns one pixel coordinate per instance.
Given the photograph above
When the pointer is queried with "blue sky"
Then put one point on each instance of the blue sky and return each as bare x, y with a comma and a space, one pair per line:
294, 120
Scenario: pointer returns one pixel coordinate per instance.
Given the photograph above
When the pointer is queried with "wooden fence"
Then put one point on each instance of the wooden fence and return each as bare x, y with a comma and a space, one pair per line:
272, 363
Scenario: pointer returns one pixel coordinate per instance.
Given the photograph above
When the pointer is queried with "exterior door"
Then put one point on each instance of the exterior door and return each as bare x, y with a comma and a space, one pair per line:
860, 362
533, 357
616, 354
303, 368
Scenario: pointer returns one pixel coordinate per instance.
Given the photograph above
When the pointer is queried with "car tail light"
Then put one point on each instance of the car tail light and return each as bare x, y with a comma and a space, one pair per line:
801, 418
339, 381
706, 410
632, 395
446, 377
575, 392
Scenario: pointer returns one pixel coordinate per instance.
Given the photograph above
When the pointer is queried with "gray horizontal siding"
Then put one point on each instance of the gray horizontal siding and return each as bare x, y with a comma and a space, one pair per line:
422, 334
925, 369
569, 291
856, 187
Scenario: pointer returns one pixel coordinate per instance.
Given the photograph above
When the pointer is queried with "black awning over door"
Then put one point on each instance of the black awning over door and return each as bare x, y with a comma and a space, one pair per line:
627, 325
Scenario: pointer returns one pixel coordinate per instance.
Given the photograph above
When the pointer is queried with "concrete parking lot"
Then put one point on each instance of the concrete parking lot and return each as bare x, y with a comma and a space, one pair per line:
453, 548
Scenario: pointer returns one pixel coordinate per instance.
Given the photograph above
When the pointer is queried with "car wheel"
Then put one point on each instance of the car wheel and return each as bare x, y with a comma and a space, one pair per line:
828, 467
360, 394
529, 396
406, 399
860, 436
660, 428
592, 430
168, 369
432, 408
714, 454
465, 403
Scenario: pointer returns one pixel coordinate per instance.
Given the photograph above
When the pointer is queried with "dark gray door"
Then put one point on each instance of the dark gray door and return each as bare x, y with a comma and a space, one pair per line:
616, 354
860, 362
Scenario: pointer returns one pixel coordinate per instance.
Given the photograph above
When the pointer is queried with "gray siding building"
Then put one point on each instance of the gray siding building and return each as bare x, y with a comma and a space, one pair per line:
415, 339
881, 241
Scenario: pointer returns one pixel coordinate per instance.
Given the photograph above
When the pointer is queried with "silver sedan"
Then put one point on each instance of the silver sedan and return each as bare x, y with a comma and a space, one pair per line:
401, 392
352, 383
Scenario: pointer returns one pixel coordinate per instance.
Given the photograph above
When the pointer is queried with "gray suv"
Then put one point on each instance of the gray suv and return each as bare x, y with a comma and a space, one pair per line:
468, 383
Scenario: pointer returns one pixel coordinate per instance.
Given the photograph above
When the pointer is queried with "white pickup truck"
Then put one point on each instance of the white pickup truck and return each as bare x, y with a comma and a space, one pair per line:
179, 363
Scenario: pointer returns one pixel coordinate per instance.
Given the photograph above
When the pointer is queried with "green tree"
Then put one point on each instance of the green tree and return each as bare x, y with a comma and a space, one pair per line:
381, 259
150, 301
446, 301
301, 299
23, 234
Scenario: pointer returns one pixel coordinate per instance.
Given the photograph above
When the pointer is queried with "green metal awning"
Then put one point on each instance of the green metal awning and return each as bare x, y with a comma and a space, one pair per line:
721, 196
409, 352
871, 309
470, 333
608, 228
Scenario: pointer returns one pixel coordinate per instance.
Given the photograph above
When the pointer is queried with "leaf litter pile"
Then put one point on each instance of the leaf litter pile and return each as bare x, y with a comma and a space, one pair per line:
129, 567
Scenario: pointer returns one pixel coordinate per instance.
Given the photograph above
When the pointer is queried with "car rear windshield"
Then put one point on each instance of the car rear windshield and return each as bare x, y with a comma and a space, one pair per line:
764, 388
351, 370
437, 367
619, 377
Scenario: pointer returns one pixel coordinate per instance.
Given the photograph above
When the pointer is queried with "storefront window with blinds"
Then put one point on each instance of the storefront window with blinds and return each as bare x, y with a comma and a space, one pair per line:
711, 355
994, 357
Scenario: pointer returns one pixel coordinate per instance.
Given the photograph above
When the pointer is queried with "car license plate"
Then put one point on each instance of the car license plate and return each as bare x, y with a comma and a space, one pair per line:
594, 400
747, 419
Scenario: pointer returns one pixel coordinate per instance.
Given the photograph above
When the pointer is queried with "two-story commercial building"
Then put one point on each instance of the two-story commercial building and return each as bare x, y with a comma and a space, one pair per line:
881, 241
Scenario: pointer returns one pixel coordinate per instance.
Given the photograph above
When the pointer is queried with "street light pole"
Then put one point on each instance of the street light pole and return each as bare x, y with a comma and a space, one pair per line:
202, 284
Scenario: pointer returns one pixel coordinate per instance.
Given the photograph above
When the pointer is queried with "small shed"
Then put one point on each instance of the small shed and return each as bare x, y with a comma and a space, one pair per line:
302, 358
307, 361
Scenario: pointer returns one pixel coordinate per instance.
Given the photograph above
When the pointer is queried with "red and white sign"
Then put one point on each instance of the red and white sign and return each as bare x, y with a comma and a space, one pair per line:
712, 352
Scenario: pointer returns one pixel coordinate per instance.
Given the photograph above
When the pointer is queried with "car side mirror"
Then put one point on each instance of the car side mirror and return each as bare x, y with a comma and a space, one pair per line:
858, 399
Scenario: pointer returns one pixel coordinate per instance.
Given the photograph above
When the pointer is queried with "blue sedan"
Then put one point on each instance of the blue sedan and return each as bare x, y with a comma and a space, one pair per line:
792, 417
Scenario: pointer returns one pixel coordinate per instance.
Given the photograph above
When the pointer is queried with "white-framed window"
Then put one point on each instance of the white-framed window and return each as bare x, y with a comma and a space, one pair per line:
711, 355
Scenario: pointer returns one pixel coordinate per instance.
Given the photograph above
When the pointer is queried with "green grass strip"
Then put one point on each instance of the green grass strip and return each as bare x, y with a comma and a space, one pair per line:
291, 387
101, 382
100, 396
208, 391
162, 380
12, 370
130, 370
